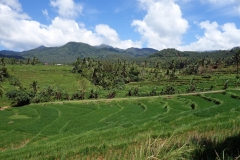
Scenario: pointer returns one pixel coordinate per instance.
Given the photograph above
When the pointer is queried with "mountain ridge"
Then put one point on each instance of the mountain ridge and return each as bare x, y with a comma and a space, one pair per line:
70, 51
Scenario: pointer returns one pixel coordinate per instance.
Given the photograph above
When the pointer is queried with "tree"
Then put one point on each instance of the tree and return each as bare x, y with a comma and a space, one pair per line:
2, 60
237, 82
1, 90
237, 58
34, 61
3, 73
1, 76
34, 86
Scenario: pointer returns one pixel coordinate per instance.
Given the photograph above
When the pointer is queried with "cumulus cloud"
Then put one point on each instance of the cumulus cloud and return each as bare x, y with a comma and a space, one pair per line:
110, 36
215, 37
14, 4
163, 25
67, 8
19, 32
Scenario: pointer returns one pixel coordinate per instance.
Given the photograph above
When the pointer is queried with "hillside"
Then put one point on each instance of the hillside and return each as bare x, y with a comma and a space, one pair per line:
171, 53
10, 54
71, 51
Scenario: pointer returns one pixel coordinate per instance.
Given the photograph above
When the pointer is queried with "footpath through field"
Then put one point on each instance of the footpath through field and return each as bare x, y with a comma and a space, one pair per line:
135, 98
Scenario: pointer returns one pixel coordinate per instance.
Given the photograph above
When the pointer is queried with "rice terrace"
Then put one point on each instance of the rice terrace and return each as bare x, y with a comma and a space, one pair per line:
119, 104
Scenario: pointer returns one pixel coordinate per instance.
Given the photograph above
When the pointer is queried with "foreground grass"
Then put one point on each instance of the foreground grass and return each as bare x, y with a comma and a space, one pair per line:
185, 127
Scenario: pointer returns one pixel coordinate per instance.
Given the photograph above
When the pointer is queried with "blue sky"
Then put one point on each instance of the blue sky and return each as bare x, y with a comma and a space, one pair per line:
181, 24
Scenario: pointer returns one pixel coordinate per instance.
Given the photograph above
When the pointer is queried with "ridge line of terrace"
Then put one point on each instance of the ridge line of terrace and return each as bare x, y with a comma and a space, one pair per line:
130, 98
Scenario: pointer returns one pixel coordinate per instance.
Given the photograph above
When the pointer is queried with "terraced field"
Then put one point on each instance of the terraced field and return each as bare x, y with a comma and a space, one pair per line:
190, 127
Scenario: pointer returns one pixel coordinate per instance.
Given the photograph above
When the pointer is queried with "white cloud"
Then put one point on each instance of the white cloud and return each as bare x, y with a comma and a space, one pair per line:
110, 37
19, 32
67, 8
163, 25
215, 37
14, 4
45, 13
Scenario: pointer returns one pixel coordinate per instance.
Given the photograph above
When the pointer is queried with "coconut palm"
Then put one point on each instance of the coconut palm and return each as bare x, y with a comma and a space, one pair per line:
2, 60
34, 86
237, 58
1, 76
1, 90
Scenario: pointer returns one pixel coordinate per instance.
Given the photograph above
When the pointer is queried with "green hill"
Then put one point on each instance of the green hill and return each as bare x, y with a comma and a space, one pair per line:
10, 54
168, 54
141, 52
71, 51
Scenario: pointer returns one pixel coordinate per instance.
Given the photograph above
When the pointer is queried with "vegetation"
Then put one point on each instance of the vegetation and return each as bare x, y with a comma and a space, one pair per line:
167, 106
70, 51
1, 90
142, 128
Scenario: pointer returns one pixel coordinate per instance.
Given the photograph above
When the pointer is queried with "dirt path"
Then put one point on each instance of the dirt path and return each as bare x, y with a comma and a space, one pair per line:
3, 108
134, 98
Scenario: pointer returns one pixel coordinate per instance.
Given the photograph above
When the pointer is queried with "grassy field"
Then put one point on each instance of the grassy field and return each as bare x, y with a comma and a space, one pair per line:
61, 77
199, 125
188, 127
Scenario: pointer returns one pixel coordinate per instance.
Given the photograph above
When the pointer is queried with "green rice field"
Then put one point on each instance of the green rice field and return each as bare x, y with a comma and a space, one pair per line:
200, 126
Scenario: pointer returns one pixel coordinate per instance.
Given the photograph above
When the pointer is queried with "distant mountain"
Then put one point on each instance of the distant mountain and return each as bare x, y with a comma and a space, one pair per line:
6, 52
104, 46
235, 48
41, 47
136, 52
10, 54
169, 54
71, 51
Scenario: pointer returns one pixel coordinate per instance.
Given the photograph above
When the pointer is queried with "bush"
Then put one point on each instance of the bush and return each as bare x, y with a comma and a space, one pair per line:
14, 81
193, 106
19, 97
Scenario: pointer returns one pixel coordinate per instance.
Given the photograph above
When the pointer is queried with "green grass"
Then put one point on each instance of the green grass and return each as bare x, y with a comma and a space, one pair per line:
120, 129
188, 127
62, 77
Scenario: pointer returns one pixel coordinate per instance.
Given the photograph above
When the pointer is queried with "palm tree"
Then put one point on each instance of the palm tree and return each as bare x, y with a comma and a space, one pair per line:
237, 57
34, 86
1, 76
3, 73
1, 90
3, 61
34, 61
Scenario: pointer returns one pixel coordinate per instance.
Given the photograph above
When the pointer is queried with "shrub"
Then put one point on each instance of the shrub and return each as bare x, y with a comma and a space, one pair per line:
20, 97
14, 81
193, 106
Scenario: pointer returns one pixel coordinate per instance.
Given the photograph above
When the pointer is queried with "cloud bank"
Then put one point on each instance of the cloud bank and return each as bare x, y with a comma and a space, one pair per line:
162, 26
215, 37
19, 32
